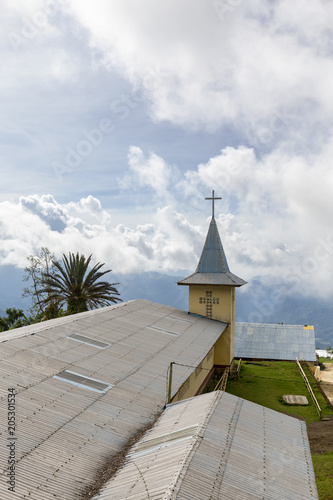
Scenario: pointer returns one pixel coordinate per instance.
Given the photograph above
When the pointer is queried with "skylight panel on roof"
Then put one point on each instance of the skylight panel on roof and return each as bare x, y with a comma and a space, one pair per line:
162, 330
164, 440
81, 381
88, 340
181, 319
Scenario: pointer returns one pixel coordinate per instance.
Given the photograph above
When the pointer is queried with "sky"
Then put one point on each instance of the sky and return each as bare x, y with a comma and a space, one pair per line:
119, 118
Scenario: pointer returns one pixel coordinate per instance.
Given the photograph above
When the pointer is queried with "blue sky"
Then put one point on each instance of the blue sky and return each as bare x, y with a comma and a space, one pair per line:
119, 118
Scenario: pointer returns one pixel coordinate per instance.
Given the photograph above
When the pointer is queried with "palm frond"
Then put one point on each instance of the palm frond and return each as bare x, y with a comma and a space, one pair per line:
72, 283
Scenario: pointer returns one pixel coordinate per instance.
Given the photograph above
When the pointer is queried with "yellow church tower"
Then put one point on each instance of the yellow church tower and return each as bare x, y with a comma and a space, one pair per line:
212, 291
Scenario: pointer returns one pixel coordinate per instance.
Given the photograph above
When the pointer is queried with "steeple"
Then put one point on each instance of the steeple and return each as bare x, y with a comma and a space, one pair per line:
213, 266
212, 291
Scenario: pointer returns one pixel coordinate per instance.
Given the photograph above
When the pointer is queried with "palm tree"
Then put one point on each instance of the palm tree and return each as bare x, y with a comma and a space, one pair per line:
70, 283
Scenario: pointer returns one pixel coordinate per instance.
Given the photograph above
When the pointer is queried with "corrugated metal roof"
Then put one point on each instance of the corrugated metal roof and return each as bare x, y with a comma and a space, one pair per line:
88, 340
228, 279
280, 342
213, 259
66, 432
213, 267
232, 449
86, 382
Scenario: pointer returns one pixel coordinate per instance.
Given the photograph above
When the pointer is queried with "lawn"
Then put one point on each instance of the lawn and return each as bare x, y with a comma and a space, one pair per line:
323, 467
266, 382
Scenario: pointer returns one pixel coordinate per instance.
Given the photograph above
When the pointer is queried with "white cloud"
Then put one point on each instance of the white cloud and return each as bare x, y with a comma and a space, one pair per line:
268, 220
229, 167
84, 226
281, 206
220, 62
275, 216
152, 172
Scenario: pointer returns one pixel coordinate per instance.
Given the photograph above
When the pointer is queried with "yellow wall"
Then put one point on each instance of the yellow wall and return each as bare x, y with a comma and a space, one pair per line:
216, 356
194, 382
224, 347
222, 301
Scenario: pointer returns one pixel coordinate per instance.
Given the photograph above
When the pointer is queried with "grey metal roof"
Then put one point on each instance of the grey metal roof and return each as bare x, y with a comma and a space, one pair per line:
218, 446
213, 267
212, 279
280, 342
213, 259
68, 428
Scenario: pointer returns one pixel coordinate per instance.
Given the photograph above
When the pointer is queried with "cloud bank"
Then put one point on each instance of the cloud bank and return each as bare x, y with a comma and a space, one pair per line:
268, 219
227, 95
84, 226
258, 66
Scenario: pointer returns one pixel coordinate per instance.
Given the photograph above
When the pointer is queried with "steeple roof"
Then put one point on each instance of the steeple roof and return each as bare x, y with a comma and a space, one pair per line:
213, 259
213, 267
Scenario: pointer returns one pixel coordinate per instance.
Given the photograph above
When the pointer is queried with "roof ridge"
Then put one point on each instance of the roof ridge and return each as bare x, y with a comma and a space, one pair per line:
24, 331
194, 443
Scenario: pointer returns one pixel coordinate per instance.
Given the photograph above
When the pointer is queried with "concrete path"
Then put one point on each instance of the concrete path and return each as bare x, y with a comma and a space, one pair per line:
327, 381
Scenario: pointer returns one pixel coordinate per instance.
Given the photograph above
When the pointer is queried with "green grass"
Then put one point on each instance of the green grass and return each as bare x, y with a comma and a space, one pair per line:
266, 382
323, 467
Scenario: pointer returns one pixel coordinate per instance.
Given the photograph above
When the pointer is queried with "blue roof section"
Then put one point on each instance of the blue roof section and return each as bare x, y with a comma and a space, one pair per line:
279, 342
213, 267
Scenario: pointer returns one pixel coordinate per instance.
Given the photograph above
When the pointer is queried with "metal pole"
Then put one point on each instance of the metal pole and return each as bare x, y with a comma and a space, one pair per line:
170, 382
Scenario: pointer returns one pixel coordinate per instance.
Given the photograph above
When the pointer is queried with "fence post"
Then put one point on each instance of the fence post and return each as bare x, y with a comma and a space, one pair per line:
170, 382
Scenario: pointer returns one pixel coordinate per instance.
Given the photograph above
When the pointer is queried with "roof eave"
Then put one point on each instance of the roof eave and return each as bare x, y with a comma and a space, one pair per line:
221, 279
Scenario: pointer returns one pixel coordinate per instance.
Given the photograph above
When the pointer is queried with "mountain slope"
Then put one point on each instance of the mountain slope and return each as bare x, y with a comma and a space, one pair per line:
265, 299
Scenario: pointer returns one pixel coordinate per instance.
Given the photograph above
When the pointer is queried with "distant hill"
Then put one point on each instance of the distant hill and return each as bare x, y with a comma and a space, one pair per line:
265, 299
268, 299
11, 287
154, 286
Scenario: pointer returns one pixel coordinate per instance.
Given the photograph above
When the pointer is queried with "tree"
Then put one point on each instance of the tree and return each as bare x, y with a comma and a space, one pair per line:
71, 283
15, 318
39, 264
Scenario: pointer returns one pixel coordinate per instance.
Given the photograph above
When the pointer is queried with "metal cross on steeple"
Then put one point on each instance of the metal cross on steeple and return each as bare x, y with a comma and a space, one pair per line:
213, 199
